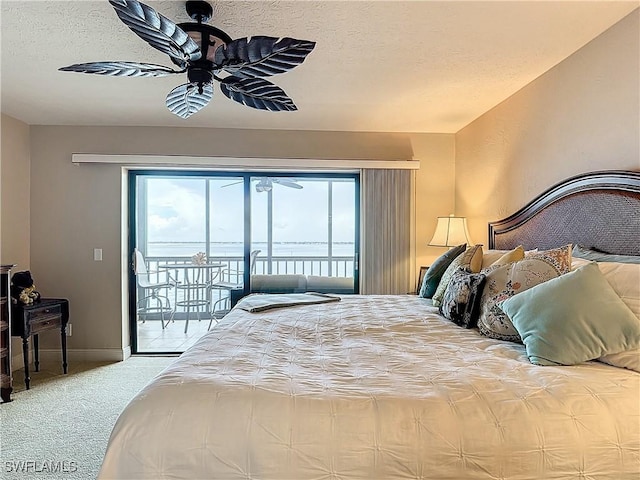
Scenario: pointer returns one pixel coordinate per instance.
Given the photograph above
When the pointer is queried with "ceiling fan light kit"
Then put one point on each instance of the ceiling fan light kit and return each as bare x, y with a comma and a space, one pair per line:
265, 184
205, 54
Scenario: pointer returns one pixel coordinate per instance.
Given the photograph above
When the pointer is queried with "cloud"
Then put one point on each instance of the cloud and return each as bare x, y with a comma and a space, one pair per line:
177, 211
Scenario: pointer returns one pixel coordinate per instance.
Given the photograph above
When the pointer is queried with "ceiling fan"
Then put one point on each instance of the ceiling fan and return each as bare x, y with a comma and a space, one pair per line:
206, 53
265, 184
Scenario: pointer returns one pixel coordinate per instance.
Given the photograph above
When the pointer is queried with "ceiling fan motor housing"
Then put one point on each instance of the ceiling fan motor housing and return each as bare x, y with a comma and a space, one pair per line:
199, 11
208, 38
199, 75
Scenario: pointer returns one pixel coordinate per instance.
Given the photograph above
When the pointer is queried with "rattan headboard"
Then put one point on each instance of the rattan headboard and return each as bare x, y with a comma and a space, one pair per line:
597, 210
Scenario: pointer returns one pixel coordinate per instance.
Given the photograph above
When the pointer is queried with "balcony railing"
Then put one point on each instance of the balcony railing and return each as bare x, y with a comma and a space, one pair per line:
342, 266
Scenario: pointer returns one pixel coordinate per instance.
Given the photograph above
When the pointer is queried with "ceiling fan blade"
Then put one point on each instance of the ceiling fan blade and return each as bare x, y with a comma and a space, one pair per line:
285, 182
121, 69
257, 93
261, 56
186, 99
230, 184
157, 30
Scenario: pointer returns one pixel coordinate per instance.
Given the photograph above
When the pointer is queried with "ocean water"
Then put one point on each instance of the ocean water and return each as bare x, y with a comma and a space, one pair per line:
236, 249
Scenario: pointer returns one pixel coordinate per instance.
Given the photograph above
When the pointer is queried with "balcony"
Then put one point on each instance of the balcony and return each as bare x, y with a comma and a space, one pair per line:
304, 223
200, 305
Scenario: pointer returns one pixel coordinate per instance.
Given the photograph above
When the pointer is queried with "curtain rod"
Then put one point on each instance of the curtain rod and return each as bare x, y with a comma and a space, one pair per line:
184, 160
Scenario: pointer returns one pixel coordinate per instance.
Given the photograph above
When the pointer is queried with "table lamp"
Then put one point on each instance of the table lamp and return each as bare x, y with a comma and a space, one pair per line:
450, 232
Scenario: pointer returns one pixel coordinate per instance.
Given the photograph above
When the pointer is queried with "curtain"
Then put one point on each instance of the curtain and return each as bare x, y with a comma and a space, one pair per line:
387, 230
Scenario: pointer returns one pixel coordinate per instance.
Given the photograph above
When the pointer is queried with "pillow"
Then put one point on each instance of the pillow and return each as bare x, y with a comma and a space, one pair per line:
282, 283
624, 278
628, 359
600, 256
502, 257
572, 319
578, 262
491, 256
462, 298
507, 280
435, 271
470, 260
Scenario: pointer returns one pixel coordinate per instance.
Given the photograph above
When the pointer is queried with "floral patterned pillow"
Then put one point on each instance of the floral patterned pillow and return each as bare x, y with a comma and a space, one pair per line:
461, 301
505, 281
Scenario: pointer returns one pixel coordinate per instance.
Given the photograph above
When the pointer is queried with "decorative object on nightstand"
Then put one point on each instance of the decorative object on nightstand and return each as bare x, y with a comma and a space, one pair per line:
6, 380
23, 289
423, 271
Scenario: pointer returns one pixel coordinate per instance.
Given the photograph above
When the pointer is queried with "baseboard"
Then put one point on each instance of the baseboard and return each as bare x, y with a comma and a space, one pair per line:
85, 355
18, 362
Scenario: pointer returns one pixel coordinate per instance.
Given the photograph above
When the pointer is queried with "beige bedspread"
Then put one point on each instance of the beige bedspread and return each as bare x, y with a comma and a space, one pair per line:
373, 387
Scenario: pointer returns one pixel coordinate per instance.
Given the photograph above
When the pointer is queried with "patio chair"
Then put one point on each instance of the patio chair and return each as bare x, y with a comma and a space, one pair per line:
225, 283
152, 303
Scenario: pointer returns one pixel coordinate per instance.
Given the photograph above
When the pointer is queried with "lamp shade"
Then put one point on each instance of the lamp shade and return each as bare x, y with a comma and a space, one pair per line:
450, 231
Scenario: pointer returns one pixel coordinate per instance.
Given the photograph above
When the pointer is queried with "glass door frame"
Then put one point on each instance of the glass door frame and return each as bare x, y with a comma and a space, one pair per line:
246, 176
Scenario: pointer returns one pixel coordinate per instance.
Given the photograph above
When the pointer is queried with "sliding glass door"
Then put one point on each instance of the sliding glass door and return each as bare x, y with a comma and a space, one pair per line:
186, 228
205, 239
305, 226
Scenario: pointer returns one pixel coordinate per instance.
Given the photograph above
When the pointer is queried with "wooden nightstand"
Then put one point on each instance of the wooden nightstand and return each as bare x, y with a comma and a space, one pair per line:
28, 320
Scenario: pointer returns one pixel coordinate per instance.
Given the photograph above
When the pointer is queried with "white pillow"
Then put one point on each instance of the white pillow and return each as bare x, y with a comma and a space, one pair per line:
502, 257
624, 278
491, 256
578, 262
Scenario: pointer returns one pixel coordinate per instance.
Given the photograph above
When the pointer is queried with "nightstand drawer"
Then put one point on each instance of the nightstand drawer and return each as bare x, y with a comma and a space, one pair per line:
45, 322
36, 315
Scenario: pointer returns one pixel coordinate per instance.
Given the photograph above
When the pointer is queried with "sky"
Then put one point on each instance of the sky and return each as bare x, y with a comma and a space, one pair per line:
177, 210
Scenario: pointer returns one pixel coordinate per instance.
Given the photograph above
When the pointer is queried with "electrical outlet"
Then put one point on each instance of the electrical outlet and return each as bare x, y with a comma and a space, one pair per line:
68, 329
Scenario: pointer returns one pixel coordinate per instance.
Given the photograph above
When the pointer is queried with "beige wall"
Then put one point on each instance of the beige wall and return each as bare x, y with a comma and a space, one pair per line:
78, 208
14, 193
581, 116
434, 190
15, 203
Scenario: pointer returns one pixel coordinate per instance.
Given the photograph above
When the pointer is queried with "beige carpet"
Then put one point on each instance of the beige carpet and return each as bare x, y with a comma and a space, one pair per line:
58, 429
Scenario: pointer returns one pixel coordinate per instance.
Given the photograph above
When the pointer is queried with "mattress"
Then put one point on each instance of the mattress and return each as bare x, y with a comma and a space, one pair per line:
373, 387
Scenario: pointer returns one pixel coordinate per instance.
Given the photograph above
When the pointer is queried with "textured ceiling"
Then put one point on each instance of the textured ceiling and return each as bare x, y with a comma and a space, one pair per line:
396, 66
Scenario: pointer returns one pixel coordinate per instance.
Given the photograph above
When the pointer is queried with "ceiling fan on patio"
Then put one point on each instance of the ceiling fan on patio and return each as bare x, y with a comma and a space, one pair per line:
265, 184
205, 54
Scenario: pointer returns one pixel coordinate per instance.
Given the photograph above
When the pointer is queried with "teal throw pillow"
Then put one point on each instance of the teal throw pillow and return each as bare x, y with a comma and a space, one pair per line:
437, 269
573, 318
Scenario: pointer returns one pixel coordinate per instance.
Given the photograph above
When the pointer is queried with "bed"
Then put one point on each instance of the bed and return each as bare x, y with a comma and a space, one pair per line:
385, 387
